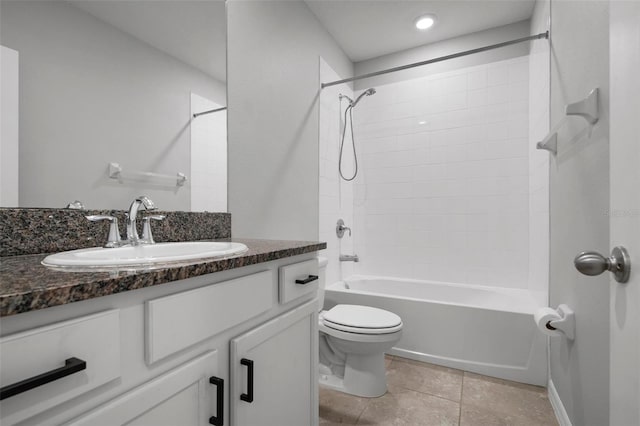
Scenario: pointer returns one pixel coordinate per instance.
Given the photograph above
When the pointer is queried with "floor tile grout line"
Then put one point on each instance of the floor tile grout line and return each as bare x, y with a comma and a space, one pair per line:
362, 412
430, 394
461, 399
368, 400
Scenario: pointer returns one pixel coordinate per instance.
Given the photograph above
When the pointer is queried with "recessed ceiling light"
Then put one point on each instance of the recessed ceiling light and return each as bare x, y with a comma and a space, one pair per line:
425, 22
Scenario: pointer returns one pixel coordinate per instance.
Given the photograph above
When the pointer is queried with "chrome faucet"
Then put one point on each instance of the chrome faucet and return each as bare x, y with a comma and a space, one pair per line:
132, 230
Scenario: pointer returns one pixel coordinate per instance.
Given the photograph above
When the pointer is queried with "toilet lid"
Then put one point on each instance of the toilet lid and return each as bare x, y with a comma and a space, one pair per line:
364, 318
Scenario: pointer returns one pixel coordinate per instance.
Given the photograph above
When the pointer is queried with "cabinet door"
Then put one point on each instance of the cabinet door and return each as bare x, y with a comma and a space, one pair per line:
182, 396
274, 367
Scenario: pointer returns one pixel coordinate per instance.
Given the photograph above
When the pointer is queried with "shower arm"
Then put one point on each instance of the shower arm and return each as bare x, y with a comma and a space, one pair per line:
340, 96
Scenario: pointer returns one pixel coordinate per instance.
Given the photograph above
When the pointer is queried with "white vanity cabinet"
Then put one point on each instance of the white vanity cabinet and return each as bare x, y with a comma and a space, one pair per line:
172, 354
180, 397
274, 371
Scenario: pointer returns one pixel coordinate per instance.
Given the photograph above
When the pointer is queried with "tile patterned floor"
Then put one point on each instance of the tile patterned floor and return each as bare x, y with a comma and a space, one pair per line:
427, 394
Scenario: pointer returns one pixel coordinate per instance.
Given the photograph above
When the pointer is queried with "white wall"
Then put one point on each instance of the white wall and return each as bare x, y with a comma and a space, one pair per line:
336, 194
443, 193
91, 94
579, 200
9, 149
273, 85
446, 47
208, 156
539, 82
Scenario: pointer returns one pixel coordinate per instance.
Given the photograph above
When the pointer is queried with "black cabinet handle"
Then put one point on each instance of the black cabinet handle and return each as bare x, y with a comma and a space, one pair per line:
307, 280
218, 420
71, 365
248, 397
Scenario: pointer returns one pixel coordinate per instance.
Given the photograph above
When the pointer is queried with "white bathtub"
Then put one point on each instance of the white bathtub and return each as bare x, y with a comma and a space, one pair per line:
485, 330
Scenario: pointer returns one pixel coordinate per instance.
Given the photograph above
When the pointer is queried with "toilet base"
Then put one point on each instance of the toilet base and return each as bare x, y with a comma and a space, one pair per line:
364, 375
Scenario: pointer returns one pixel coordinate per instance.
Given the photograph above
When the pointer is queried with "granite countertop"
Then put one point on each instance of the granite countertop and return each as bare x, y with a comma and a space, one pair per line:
26, 285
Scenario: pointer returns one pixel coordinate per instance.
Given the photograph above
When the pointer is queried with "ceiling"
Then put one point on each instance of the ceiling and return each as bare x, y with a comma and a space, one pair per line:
194, 31
191, 31
367, 29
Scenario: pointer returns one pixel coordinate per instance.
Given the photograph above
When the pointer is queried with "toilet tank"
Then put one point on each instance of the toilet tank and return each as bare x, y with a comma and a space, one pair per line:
322, 276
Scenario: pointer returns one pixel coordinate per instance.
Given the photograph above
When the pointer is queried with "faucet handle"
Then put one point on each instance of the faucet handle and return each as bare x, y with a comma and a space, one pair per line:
340, 228
147, 236
114, 239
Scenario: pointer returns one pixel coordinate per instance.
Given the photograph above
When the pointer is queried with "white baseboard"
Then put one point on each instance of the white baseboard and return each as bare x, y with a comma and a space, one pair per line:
558, 407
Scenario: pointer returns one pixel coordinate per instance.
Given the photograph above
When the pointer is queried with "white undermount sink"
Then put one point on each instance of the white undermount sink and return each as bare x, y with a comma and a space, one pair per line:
144, 255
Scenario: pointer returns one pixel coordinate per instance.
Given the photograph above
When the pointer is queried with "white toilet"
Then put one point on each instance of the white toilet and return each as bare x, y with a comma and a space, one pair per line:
352, 342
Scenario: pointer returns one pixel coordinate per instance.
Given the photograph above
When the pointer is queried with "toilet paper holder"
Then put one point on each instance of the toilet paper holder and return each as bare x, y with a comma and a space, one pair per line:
566, 323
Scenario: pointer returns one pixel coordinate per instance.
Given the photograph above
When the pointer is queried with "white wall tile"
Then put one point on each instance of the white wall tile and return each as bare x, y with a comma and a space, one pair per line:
477, 78
498, 94
445, 174
538, 114
477, 97
518, 70
498, 73
336, 196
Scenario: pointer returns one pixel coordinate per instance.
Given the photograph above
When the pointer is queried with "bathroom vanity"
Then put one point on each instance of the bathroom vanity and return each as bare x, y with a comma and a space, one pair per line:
223, 342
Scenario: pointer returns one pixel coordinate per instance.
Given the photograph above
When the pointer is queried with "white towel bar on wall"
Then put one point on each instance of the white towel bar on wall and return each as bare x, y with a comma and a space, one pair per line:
116, 172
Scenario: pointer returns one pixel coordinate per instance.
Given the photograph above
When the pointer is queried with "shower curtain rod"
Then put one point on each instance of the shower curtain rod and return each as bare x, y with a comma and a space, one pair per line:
439, 59
197, 114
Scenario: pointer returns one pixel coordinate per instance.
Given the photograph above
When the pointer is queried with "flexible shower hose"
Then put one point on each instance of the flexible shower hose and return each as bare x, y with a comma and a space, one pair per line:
353, 144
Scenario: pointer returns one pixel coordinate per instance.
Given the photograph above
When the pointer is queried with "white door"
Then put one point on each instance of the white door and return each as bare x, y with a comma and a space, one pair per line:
274, 370
625, 210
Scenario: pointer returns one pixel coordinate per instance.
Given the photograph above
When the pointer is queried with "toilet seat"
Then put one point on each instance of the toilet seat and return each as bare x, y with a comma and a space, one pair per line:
361, 320
358, 337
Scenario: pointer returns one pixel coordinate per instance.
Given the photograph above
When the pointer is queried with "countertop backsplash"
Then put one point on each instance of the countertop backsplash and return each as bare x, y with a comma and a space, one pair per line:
46, 230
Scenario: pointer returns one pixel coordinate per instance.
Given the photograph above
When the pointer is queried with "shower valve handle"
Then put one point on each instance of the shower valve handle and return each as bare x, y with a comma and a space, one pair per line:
340, 228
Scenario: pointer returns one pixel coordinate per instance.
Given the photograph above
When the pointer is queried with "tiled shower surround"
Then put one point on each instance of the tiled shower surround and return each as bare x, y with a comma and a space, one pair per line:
336, 195
443, 189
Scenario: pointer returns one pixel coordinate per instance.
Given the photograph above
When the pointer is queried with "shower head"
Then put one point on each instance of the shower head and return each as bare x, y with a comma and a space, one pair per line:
368, 92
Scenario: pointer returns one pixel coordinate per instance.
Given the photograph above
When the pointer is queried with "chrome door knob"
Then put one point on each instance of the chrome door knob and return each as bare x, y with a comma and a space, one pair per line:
593, 263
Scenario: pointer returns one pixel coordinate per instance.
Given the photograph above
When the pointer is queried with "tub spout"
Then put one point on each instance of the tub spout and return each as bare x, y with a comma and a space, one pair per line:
349, 258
